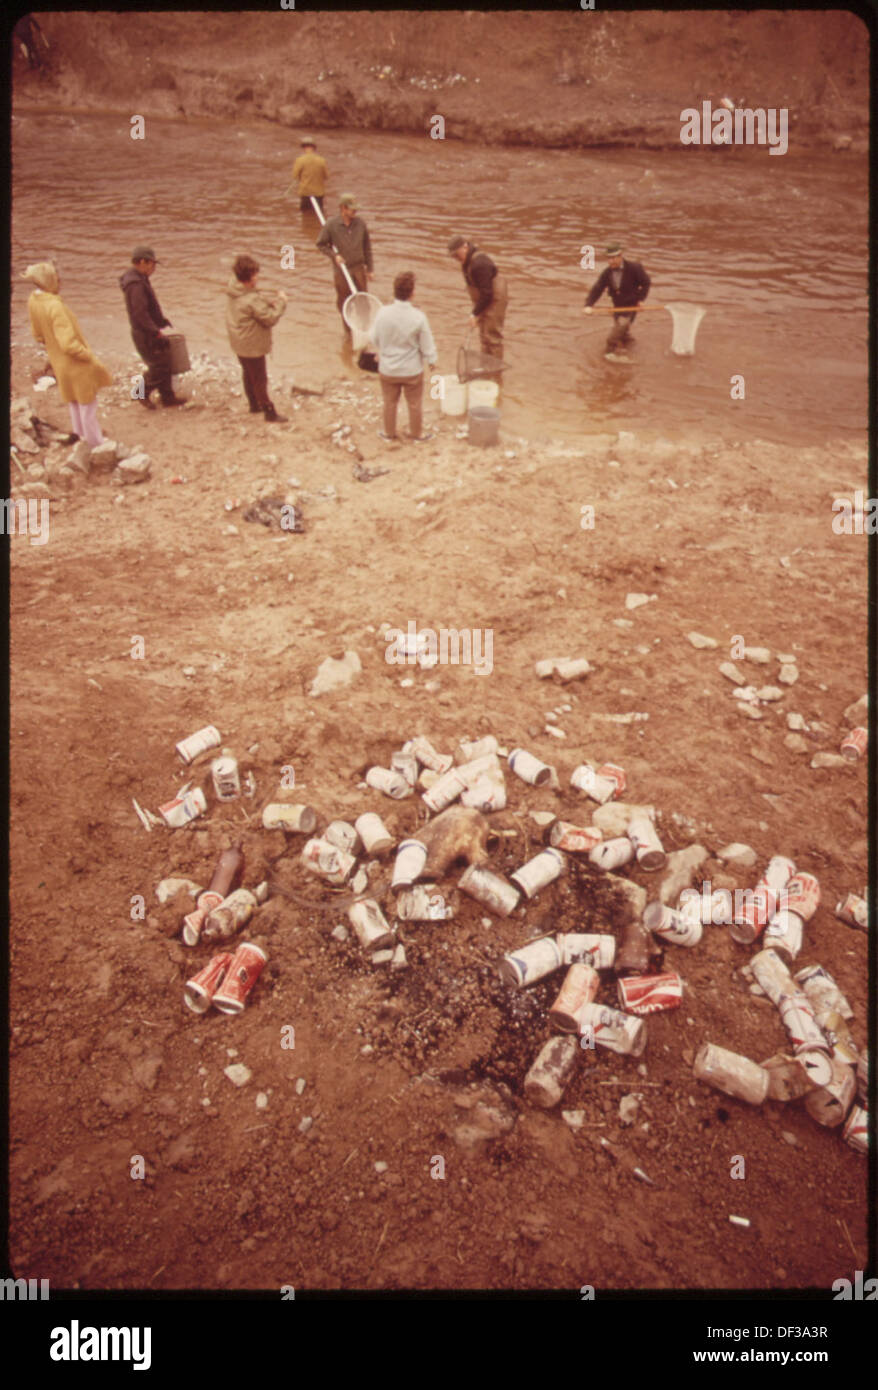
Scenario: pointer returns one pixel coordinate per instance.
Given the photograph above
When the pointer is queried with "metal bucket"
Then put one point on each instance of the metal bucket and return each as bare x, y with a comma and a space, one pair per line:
484, 425
178, 357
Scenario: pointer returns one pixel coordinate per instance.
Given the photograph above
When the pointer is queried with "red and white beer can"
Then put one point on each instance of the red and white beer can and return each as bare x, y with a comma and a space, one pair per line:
531, 962
616, 774
422, 903
854, 911
489, 889
677, 928
753, 911
784, 934
854, 744
331, 863
612, 854
650, 994
581, 984
200, 742
194, 920
529, 768
797, 1016
184, 809
856, 1130
411, 856
597, 949
730, 1072
575, 839
612, 1029
772, 974
245, 969
647, 845
801, 895
199, 991
585, 779
539, 872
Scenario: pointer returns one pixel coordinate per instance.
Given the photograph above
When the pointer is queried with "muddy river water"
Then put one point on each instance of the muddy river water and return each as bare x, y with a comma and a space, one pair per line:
775, 247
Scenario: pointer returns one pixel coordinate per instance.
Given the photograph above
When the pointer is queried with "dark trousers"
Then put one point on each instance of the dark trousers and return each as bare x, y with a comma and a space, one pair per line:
255, 376
157, 359
342, 288
620, 333
305, 204
392, 388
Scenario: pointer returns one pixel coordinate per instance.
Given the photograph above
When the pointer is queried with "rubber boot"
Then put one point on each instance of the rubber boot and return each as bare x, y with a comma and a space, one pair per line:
272, 416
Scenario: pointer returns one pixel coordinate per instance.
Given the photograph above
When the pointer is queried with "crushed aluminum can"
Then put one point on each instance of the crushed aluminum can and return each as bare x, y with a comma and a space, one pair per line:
427, 755
422, 903
854, 744
829, 1104
486, 793
838, 1035
616, 773
292, 819
490, 889
772, 975
801, 894
405, 763
466, 751
803, 1030
539, 872
373, 832
575, 839
650, 994
446, 789
731, 1073
817, 1066
634, 950
856, 1130
529, 768
488, 765
854, 911
581, 984
714, 908
531, 962
411, 856
676, 928
199, 991
823, 992
184, 809
194, 921
784, 934
389, 782
545, 1083
597, 949
755, 909
226, 782
647, 845
343, 835
612, 854
371, 926
788, 1079
200, 742
863, 1075
778, 872
585, 779
233, 913
612, 1029
331, 863
246, 967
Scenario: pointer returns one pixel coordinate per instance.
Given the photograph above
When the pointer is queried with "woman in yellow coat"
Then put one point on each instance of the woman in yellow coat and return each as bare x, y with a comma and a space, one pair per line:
79, 374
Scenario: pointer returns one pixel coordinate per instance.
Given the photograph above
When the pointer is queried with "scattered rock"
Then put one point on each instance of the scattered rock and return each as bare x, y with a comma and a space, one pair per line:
731, 672
700, 641
399, 961
613, 818
761, 655
574, 1118
565, 668
134, 469
300, 1085
381, 1166
750, 711
829, 760
543, 819
796, 744
261, 1101
682, 864
638, 600
333, 674
340, 933
305, 1124
788, 674
795, 721
238, 1074
628, 1107
769, 693
105, 456
857, 714
738, 854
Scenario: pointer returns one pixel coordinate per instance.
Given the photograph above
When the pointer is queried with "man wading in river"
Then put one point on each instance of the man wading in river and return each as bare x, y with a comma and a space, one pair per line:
628, 284
487, 290
349, 235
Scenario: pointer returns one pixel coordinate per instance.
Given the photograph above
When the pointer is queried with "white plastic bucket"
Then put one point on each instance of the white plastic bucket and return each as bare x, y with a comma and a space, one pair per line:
686, 318
453, 398
483, 393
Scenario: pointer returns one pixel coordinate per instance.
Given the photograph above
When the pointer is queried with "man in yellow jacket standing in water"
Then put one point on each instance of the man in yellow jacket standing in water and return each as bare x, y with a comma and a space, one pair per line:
311, 172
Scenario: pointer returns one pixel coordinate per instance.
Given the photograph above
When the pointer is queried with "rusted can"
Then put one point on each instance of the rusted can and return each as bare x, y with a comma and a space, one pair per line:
581, 984
373, 832
539, 872
331, 863
490, 889
784, 934
406, 764
612, 854
199, 991
184, 809
788, 1079
730, 1072
829, 1104
585, 779
575, 839
391, 783
803, 1030
854, 911
422, 903
854, 744
634, 950
612, 1029
676, 928
200, 742
445, 789
298, 820
772, 975
411, 856
246, 967
823, 992
647, 845
343, 835
226, 782
427, 755
856, 1130
547, 1079
650, 994
371, 926
466, 750
597, 949
233, 913
801, 894
531, 962
529, 768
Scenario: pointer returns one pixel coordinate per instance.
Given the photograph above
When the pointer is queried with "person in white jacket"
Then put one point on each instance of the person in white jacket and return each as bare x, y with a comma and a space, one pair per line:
402, 337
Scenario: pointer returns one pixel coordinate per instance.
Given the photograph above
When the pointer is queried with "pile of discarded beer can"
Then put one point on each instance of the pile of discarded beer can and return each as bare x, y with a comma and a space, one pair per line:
824, 1066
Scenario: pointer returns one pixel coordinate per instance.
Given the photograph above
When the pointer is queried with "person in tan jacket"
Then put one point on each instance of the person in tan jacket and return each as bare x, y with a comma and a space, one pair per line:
310, 172
250, 317
79, 374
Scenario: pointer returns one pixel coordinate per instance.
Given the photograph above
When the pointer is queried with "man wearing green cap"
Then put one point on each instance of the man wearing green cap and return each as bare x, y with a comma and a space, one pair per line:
628, 285
310, 172
147, 325
487, 290
345, 240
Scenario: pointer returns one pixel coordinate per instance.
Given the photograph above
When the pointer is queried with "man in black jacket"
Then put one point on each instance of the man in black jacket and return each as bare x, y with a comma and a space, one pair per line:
628, 284
147, 322
487, 290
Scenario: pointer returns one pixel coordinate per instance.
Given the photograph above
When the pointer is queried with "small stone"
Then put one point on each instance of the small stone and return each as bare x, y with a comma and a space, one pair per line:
795, 721
238, 1074
399, 961
300, 1085
796, 744
731, 672
697, 639
543, 819
334, 674
857, 714
829, 760
382, 957
574, 1118
366, 1050
104, 457
622, 622
681, 865
761, 655
638, 600
762, 756
786, 658
750, 711
789, 1138
134, 469
769, 692
554, 732
340, 933
628, 1107
381, 1166
262, 1101
738, 854
788, 675
305, 1124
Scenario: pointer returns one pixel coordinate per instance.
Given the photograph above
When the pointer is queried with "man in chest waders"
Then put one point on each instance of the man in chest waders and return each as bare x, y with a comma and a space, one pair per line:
487, 290
628, 284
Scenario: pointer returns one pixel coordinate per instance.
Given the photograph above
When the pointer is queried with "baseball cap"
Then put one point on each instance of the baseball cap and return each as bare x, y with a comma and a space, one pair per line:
614, 249
144, 253
455, 243
308, 140
347, 200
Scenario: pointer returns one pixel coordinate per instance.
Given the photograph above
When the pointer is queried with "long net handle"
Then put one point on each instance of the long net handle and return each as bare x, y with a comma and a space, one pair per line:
635, 309
316, 206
